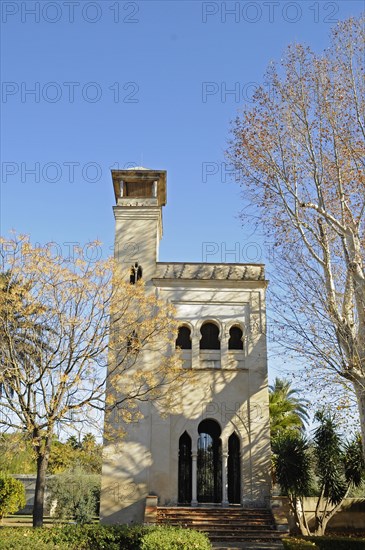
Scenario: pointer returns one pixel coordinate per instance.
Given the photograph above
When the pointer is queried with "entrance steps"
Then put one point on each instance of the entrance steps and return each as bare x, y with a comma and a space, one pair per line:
226, 527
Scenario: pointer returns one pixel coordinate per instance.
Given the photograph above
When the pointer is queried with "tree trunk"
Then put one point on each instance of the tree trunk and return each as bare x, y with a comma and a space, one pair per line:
322, 517
360, 395
319, 527
299, 515
40, 485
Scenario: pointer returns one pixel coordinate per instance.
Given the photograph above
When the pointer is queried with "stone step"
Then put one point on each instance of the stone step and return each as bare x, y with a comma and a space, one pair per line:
222, 527
237, 517
229, 524
225, 526
233, 517
248, 545
220, 519
246, 535
217, 510
214, 514
197, 524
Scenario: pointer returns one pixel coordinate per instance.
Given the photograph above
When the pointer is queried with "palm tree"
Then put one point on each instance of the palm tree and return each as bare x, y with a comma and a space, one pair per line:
74, 442
335, 465
287, 411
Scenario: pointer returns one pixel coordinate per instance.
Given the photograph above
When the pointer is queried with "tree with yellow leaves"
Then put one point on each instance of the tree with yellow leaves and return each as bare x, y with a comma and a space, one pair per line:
69, 330
300, 153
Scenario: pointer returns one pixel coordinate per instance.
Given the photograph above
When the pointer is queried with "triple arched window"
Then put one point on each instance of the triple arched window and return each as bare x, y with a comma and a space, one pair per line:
210, 337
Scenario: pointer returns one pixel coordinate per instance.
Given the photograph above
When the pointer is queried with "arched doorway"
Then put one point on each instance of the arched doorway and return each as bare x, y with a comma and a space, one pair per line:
185, 469
234, 470
209, 463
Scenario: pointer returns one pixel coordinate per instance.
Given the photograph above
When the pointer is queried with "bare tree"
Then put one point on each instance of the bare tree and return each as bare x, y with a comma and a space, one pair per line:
300, 152
68, 331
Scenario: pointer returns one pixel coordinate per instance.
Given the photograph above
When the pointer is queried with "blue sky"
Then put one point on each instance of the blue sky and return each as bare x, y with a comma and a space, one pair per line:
152, 83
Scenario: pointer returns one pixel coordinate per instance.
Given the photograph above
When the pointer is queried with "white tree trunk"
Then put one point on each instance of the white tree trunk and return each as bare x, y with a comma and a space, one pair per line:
360, 395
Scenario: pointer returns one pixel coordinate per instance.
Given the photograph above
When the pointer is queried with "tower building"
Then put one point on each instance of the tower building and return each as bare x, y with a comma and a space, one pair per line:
216, 449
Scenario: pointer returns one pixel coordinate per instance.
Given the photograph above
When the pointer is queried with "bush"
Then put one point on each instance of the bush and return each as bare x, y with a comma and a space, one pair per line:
12, 495
339, 543
174, 538
76, 495
67, 537
324, 543
102, 537
19, 538
298, 544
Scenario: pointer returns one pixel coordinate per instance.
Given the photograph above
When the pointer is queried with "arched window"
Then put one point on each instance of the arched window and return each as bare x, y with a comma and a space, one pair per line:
136, 273
234, 470
183, 340
235, 338
209, 339
185, 469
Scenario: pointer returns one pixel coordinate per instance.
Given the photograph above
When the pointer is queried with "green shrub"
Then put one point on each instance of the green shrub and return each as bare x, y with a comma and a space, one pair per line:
72, 537
102, 537
298, 544
76, 495
339, 543
324, 543
12, 495
19, 538
174, 538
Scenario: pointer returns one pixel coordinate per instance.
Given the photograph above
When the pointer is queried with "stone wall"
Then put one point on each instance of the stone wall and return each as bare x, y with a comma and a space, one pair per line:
350, 517
28, 481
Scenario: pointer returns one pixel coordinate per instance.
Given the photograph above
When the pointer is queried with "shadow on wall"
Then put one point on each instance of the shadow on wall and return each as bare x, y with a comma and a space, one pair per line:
157, 472
235, 398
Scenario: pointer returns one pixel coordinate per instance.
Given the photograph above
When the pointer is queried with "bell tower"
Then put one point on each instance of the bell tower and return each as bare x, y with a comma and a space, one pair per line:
212, 447
140, 194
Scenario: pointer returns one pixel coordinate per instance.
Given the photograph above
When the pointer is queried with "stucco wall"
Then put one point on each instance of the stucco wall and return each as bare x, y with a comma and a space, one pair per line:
351, 515
233, 392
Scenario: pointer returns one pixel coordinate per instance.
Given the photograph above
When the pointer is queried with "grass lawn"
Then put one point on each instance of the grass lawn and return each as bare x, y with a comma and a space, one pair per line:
25, 520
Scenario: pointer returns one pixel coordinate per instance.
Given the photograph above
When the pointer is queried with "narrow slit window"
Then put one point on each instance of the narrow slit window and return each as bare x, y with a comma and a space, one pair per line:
136, 273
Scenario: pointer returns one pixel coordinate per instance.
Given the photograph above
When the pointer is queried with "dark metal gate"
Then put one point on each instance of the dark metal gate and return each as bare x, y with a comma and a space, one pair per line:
209, 463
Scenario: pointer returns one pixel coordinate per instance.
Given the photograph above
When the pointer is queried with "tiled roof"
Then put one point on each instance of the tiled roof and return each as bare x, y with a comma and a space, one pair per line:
234, 272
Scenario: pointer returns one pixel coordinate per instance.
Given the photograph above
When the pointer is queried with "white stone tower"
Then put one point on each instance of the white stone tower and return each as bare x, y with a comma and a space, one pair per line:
216, 449
140, 195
